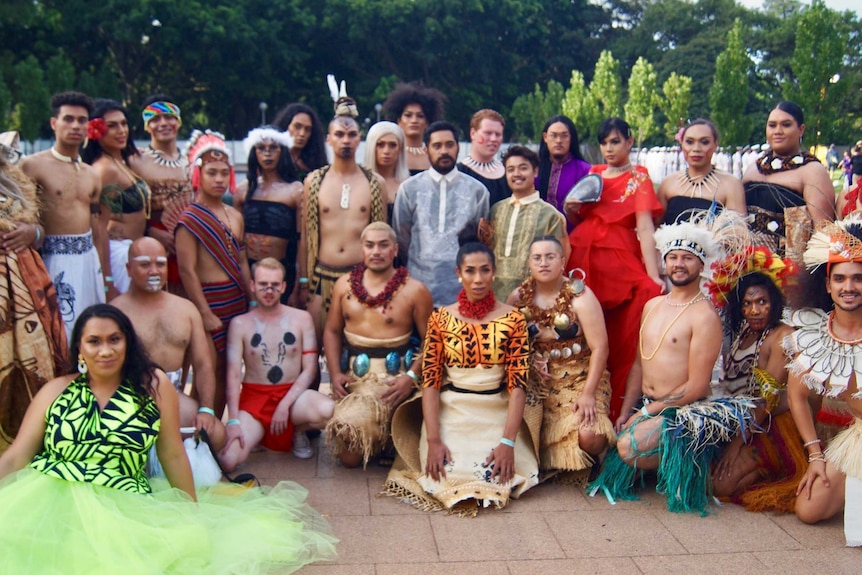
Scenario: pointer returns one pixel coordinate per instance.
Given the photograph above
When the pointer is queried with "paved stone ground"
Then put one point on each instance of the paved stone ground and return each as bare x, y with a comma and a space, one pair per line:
551, 529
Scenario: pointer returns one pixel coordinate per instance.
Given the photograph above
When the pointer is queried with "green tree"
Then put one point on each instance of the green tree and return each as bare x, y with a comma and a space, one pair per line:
728, 95
531, 111
817, 61
60, 74
676, 102
606, 87
5, 105
642, 101
580, 105
33, 108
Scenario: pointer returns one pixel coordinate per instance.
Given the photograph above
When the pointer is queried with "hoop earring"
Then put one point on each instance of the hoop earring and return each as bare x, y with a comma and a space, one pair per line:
82, 365
460, 280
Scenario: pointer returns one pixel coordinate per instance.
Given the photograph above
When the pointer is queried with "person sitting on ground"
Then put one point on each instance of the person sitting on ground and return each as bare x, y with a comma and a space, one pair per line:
372, 333
827, 361
75, 474
469, 446
569, 352
760, 470
271, 404
171, 330
676, 431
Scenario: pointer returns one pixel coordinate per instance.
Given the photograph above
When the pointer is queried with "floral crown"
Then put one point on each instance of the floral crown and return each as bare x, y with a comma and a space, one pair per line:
753, 259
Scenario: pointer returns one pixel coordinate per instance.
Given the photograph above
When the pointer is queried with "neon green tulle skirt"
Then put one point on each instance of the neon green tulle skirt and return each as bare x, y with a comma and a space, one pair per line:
53, 526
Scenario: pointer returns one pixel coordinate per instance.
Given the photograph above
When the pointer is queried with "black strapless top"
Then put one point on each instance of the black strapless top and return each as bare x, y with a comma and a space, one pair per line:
269, 219
682, 208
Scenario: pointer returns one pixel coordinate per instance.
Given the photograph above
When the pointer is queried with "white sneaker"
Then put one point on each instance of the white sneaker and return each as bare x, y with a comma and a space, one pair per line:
302, 446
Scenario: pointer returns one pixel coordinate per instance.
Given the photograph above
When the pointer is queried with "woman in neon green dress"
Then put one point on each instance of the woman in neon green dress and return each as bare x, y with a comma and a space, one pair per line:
74, 497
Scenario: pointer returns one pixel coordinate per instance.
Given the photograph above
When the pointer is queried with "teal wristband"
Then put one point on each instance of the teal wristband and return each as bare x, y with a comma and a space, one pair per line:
412, 375
38, 233
233, 421
303, 280
508, 442
644, 411
252, 304
206, 410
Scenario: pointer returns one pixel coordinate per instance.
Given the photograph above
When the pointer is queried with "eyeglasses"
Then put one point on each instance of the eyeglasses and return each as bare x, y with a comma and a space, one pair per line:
562, 136
267, 149
550, 258
267, 287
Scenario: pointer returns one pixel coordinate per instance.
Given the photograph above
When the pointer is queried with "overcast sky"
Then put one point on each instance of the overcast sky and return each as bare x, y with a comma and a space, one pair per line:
839, 5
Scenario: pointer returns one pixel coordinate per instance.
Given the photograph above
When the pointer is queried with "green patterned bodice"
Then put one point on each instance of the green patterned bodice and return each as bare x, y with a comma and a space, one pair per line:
106, 448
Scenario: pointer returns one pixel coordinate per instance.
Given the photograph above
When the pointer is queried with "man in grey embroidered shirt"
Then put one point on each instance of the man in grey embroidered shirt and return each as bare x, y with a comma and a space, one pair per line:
432, 208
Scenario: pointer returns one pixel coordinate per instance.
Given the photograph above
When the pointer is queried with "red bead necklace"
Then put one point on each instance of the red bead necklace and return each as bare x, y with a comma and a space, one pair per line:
392, 286
476, 309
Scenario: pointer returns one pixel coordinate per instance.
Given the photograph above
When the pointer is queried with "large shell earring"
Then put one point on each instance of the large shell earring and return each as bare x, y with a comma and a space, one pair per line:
82, 365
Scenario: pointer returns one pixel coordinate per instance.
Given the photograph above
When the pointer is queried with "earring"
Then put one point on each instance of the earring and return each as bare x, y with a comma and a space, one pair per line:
82, 365
460, 280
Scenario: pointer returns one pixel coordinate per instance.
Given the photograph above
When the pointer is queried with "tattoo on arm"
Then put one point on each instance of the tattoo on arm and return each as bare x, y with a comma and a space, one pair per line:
673, 397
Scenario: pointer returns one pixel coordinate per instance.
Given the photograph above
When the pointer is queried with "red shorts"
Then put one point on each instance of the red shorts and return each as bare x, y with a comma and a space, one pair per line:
260, 400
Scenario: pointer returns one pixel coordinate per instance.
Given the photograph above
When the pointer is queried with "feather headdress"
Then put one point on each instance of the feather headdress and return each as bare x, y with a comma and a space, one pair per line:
690, 237
266, 134
835, 242
344, 104
205, 147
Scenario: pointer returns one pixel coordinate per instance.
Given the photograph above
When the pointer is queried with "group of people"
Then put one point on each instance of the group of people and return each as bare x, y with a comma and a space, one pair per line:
598, 366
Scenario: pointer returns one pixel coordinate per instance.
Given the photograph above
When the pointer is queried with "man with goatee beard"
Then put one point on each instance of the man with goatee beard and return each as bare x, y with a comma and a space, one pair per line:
375, 310
432, 208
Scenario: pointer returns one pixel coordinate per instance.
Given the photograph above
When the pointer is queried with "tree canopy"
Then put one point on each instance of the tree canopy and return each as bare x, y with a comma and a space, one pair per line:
220, 59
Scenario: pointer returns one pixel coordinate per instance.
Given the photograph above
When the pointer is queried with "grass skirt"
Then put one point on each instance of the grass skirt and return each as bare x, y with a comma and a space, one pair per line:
53, 526
690, 438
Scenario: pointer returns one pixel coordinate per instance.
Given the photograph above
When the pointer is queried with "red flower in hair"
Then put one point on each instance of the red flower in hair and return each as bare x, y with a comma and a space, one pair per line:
96, 129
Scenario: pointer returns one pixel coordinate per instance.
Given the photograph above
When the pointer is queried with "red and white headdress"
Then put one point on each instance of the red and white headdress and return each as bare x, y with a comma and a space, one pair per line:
206, 147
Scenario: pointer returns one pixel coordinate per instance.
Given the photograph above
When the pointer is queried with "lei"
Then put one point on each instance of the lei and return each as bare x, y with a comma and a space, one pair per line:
554, 316
771, 163
385, 295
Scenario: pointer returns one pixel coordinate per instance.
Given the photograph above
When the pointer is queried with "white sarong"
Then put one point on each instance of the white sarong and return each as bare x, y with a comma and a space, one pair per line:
119, 257
74, 267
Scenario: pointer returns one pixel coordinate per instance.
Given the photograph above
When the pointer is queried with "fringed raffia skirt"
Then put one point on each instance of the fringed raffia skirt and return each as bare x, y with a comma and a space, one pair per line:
558, 445
360, 422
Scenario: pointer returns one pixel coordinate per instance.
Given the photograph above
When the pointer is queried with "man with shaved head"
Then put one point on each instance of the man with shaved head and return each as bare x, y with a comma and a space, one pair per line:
172, 331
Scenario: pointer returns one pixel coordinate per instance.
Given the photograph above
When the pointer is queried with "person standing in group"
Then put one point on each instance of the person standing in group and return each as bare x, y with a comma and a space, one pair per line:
414, 107
69, 191
269, 201
481, 161
787, 190
386, 154
432, 208
339, 200
561, 164
33, 341
166, 171
308, 151
700, 186
126, 198
211, 251
612, 242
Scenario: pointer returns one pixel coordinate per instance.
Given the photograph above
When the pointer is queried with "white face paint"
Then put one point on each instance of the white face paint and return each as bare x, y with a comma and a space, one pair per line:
155, 273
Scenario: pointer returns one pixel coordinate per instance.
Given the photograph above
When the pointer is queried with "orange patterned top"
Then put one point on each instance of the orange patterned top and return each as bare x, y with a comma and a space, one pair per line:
450, 341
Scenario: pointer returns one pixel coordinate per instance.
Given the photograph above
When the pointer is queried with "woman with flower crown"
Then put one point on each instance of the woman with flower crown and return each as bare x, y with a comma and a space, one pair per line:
787, 190
475, 446
125, 199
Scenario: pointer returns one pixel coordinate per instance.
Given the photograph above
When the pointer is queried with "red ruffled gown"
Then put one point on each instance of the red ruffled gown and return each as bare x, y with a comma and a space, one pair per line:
605, 245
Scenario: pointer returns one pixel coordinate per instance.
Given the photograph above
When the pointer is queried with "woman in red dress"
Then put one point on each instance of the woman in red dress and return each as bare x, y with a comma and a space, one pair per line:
613, 244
